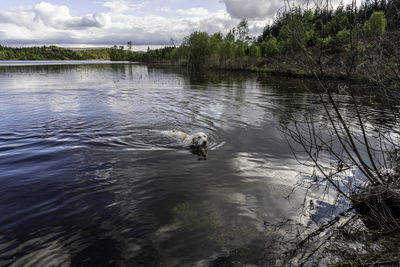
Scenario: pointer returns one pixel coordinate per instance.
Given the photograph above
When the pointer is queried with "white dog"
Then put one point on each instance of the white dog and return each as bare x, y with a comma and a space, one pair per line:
196, 140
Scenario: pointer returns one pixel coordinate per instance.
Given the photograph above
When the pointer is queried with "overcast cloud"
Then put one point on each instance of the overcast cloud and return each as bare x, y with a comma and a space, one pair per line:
144, 22
260, 9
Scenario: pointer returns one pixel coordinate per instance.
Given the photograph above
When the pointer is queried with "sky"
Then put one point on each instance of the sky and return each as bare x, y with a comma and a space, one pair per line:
77, 23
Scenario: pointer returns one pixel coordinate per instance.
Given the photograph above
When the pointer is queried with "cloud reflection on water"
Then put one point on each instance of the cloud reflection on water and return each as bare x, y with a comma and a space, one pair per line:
116, 183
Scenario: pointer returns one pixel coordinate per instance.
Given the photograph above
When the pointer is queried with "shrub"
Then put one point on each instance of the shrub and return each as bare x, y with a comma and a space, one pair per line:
376, 24
270, 47
343, 35
254, 51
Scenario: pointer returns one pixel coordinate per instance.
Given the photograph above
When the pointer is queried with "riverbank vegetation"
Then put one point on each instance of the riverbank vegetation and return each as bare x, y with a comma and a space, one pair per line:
370, 31
353, 156
280, 50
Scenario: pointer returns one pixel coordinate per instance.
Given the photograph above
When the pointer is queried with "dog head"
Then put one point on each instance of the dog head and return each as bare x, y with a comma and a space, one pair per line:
199, 140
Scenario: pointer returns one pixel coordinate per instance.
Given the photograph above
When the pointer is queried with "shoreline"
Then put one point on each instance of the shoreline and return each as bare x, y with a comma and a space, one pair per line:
279, 70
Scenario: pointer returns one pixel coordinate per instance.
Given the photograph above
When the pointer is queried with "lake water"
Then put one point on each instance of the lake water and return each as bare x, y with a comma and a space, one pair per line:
87, 177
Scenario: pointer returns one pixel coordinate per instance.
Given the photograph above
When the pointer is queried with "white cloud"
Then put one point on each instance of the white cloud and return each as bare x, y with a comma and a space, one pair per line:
193, 12
47, 15
120, 6
46, 23
163, 9
255, 9
117, 6
267, 9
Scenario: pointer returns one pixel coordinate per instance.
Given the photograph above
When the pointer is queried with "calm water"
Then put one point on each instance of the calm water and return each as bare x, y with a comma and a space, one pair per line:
88, 179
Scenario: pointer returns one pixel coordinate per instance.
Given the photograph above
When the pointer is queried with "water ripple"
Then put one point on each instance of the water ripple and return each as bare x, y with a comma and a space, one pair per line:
87, 177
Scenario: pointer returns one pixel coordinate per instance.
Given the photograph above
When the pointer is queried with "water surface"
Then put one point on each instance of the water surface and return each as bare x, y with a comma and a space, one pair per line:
88, 179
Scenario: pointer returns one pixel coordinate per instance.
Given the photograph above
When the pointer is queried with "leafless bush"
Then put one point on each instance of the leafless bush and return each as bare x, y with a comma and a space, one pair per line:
357, 155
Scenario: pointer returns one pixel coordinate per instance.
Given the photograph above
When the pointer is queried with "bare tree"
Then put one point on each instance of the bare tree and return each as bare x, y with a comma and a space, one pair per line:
357, 156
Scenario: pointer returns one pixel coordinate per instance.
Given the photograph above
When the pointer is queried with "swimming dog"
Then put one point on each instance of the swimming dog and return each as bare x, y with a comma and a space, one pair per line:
196, 140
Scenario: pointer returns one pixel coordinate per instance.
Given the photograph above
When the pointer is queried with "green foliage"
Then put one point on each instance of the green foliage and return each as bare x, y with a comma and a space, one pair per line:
59, 53
215, 43
389, 7
37, 53
120, 54
339, 22
297, 30
117, 54
227, 50
242, 31
270, 47
240, 50
97, 54
376, 24
230, 36
156, 55
201, 49
343, 35
254, 51
198, 48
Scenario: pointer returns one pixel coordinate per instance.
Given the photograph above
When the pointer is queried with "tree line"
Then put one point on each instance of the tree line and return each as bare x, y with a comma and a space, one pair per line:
115, 53
59, 53
316, 27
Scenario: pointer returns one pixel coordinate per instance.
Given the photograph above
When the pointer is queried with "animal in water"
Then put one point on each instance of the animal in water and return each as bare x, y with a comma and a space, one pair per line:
195, 140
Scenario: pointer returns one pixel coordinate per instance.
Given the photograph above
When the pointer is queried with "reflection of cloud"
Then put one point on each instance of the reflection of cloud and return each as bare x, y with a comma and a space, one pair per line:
254, 168
43, 89
269, 181
246, 204
237, 106
63, 103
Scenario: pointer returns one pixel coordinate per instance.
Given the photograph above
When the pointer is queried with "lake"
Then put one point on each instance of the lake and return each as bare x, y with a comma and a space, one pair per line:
88, 177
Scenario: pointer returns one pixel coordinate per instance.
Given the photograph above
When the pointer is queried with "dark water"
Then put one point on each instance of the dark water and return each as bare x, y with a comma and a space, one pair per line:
88, 179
